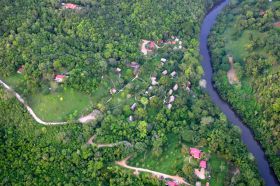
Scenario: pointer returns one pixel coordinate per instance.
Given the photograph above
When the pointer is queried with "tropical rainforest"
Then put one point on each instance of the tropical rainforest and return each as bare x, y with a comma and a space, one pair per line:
248, 32
87, 45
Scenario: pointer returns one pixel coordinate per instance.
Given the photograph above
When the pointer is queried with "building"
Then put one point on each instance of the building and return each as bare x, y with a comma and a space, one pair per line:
70, 6
175, 87
196, 153
154, 81
171, 99
277, 24
133, 106
165, 72
173, 74
113, 91
171, 183
59, 78
163, 60
203, 164
20, 70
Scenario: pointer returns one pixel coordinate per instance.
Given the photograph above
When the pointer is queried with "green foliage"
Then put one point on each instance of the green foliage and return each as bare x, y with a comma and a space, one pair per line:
246, 31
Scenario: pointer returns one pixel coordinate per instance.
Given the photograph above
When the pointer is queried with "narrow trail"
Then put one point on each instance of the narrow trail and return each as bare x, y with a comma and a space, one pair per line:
84, 119
29, 109
123, 163
90, 142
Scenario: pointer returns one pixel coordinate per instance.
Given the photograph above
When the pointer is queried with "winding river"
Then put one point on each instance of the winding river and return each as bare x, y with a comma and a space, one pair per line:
247, 136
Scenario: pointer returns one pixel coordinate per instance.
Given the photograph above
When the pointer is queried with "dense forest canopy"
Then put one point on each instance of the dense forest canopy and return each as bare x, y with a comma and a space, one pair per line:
248, 32
91, 42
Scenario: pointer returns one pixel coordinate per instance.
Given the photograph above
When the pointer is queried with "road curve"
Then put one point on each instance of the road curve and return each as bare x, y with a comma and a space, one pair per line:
29, 109
123, 163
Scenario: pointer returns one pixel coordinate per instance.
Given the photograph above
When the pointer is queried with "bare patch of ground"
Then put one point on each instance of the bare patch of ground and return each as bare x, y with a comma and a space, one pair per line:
231, 74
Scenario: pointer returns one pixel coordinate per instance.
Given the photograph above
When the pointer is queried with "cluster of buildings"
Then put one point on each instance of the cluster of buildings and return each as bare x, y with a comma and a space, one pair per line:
201, 172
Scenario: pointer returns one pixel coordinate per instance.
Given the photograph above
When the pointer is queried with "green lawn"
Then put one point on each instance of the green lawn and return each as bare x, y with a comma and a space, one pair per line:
58, 106
237, 47
218, 170
14, 80
169, 162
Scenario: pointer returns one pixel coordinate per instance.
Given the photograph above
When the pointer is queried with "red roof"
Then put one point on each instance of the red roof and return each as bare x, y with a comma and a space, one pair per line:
203, 164
20, 70
59, 76
171, 183
70, 6
195, 152
277, 24
152, 45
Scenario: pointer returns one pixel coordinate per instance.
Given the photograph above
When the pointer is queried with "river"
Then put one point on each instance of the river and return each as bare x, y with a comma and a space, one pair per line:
247, 136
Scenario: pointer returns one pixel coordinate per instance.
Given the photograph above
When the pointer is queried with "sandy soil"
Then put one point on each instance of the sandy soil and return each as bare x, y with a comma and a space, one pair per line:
231, 74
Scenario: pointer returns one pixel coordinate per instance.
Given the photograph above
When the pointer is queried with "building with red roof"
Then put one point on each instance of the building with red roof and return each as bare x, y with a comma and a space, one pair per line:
152, 45
171, 183
203, 164
70, 6
21, 69
59, 78
195, 153
277, 24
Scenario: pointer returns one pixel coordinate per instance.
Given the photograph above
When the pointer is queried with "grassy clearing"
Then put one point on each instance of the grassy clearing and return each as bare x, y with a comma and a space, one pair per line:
237, 46
169, 162
219, 170
14, 80
58, 106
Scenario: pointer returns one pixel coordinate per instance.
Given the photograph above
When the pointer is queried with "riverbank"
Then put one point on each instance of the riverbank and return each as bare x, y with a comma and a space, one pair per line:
247, 136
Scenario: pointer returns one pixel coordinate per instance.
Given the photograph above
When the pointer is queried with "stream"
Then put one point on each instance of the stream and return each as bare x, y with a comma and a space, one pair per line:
247, 136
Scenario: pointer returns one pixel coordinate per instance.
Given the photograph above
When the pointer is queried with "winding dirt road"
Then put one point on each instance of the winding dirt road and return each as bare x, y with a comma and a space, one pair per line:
29, 109
84, 119
123, 163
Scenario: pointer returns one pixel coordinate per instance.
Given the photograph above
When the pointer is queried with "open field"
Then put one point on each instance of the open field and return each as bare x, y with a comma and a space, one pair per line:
58, 106
169, 161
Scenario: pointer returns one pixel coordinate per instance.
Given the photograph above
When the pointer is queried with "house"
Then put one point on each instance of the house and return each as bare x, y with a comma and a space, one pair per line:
203, 164
165, 72
277, 24
171, 99
262, 13
59, 78
195, 152
173, 74
171, 183
113, 91
130, 118
20, 70
135, 67
152, 45
200, 173
207, 184
150, 88
175, 87
170, 92
154, 82
198, 183
133, 106
70, 6
169, 106
163, 60
118, 70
